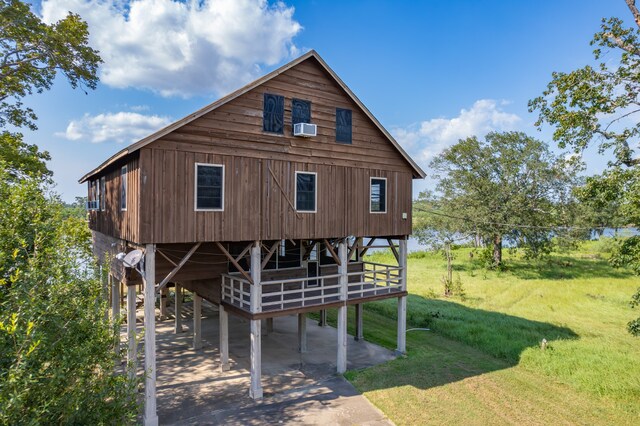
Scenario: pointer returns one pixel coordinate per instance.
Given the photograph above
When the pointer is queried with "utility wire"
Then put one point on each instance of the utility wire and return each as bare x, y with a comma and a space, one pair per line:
510, 225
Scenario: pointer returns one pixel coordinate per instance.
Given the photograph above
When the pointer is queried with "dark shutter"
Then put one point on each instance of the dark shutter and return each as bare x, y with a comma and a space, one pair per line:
273, 113
123, 188
343, 125
210, 183
305, 192
300, 112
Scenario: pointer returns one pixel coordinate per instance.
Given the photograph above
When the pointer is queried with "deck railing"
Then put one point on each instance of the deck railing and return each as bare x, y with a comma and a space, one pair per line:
374, 280
236, 291
300, 292
377, 279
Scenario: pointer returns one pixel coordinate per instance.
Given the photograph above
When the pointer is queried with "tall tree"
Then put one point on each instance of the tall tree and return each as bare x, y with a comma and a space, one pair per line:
600, 105
510, 187
56, 349
31, 55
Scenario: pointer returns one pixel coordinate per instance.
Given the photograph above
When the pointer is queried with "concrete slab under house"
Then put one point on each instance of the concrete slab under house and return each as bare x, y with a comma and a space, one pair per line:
260, 216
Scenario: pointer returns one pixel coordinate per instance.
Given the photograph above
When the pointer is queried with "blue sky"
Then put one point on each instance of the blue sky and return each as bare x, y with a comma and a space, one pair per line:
430, 71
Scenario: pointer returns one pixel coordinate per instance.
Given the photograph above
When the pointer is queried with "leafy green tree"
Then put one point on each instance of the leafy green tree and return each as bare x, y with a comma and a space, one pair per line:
32, 53
600, 105
56, 349
510, 187
23, 159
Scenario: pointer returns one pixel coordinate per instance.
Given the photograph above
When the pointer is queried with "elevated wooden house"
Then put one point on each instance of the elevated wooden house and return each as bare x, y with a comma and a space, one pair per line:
264, 203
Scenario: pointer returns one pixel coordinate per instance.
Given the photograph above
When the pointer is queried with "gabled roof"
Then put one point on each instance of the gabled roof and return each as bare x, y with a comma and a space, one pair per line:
417, 171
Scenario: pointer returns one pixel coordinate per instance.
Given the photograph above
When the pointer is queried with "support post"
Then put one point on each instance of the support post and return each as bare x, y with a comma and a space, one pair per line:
302, 333
115, 311
341, 364
224, 338
150, 414
197, 321
164, 298
323, 318
359, 335
132, 353
269, 328
402, 301
255, 392
178, 308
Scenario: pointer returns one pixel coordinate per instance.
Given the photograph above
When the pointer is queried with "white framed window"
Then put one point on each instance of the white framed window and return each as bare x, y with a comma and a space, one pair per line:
306, 193
93, 196
123, 188
103, 194
209, 187
378, 195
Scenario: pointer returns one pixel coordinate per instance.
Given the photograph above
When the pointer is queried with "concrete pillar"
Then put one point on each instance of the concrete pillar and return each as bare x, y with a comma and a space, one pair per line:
115, 312
358, 335
178, 308
302, 333
106, 283
402, 301
115, 299
132, 353
164, 298
341, 364
322, 322
150, 413
269, 328
224, 338
255, 391
197, 321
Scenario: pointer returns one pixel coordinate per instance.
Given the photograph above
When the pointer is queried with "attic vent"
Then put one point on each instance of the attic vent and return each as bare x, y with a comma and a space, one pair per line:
304, 129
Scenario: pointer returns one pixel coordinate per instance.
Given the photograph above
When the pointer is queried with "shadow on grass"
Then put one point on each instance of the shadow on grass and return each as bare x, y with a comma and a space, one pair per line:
461, 342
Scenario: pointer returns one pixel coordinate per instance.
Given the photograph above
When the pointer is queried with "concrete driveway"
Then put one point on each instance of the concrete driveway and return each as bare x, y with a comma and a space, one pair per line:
298, 388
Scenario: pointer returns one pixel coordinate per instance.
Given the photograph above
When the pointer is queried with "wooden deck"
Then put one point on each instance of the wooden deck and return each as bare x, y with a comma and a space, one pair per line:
298, 294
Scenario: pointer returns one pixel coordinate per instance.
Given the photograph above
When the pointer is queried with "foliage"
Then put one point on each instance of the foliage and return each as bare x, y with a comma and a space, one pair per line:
483, 351
510, 187
33, 53
23, 159
56, 346
600, 105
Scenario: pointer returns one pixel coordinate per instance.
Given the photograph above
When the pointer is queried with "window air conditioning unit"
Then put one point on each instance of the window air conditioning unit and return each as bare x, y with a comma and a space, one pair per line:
305, 130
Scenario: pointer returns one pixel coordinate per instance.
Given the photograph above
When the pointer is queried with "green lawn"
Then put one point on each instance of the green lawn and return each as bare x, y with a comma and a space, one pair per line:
481, 362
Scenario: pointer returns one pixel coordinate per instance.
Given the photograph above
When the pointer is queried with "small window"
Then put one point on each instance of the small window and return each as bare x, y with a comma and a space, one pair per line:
378, 195
306, 192
103, 194
300, 112
209, 186
273, 113
343, 125
123, 188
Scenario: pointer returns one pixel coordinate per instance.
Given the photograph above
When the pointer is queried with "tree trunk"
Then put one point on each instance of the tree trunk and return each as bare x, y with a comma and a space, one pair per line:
497, 250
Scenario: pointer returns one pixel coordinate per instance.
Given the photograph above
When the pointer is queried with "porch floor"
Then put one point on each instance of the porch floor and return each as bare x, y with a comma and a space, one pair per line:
298, 388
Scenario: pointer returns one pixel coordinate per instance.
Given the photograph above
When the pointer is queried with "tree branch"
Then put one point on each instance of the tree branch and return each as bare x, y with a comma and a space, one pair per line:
634, 11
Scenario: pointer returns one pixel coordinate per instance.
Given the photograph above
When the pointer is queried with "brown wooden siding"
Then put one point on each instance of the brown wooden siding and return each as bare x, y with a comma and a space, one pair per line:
161, 185
256, 207
113, 221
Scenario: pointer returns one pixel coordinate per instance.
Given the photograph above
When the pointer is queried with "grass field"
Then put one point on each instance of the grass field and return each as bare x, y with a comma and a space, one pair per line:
481, 361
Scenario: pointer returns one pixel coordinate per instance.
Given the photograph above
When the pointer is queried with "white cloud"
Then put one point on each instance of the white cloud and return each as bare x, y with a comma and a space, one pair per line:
183, 48
114, 127
431, 137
